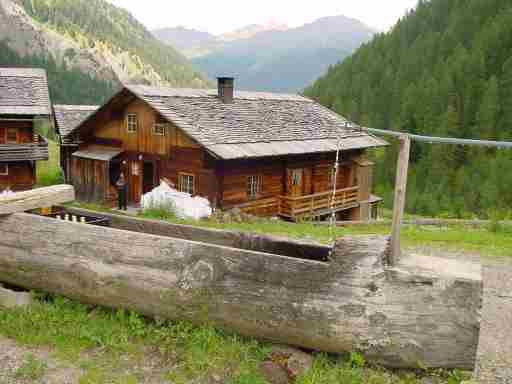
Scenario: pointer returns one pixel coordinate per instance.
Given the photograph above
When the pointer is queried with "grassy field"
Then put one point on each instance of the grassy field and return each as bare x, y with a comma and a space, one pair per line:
48, 172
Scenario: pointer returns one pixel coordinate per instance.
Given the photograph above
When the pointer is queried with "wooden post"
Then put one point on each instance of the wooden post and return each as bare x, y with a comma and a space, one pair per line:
399, 202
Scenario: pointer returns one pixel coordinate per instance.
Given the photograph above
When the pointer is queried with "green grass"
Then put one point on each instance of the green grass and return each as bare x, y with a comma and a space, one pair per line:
31, 369
49, 172
108, 345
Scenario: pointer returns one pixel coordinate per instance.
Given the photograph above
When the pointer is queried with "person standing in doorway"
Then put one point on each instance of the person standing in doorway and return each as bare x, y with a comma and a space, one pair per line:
122, 193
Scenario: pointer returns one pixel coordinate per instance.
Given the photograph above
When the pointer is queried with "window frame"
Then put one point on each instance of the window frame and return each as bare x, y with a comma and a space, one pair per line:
162, 125
7, 141
130, 124
6, 172
254, 186
184, 175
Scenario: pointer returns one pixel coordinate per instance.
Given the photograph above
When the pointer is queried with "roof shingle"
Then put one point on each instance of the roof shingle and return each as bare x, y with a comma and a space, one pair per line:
247, 127
24, 91
69, 117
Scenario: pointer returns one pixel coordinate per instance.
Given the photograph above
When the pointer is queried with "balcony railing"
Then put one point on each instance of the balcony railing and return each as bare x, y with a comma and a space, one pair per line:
318, 204
25, 151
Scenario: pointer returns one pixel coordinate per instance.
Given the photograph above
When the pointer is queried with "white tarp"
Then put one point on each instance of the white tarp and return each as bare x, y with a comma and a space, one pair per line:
6, 193
184, 205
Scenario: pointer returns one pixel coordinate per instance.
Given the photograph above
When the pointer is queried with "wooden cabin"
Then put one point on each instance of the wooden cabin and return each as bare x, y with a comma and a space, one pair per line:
67, 118
267, 154
24, 103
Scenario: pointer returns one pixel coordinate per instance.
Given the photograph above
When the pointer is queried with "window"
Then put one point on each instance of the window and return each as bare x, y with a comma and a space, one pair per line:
132, 122
4, 169
159, 129
186, 183
254, 186
11, 135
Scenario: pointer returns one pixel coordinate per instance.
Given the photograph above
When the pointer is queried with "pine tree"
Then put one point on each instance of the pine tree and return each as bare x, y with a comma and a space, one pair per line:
489, 110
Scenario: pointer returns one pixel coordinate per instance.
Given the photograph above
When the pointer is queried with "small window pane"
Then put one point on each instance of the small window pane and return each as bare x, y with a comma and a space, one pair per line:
186, 184
254, 186
132, 122
12, 135
4, 169
159, 129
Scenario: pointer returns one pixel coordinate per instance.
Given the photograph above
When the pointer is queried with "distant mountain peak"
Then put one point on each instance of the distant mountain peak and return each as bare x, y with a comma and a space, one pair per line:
251, 30
265, 56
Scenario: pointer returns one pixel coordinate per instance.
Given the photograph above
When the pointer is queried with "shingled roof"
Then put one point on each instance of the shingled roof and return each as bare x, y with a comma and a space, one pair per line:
69, 117
24, 91
255, 124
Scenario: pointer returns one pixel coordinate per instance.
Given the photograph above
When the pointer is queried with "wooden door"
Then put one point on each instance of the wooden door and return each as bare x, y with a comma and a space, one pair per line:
295, 183
135, 181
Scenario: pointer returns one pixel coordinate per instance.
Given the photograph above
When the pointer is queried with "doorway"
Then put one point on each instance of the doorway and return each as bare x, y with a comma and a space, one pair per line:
148, 178
295, 184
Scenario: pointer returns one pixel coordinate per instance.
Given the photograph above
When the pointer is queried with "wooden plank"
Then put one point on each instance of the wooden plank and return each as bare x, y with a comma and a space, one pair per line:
399, 317
400, 192
37, 198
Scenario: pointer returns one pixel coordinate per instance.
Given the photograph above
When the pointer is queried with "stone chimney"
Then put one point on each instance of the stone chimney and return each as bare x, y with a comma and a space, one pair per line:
226, 87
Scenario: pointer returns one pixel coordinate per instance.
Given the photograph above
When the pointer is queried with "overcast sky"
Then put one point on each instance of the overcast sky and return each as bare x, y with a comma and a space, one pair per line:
226, 15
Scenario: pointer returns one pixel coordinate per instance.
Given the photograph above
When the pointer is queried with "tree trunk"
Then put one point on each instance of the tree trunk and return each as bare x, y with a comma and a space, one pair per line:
423, 312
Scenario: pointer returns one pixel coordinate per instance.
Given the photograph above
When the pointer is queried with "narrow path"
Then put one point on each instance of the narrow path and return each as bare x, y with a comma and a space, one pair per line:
495, 348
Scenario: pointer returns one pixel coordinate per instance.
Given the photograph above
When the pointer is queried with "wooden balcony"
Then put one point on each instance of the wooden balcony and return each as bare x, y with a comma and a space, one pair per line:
318, 204
25, 151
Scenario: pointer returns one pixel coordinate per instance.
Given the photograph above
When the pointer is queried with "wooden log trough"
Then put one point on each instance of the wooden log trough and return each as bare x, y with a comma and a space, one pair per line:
423, 312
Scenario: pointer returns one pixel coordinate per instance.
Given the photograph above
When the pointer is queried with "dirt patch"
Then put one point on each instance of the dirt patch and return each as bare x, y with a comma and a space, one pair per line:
22, 365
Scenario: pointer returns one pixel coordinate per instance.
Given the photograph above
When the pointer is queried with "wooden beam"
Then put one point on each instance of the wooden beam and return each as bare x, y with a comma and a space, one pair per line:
36, 198
399, 203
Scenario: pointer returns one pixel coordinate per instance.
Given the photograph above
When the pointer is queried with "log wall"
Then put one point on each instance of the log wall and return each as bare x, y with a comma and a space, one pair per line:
21, 176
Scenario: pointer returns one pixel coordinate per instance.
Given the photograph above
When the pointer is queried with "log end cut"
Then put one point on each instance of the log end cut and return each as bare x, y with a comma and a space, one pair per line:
425, 312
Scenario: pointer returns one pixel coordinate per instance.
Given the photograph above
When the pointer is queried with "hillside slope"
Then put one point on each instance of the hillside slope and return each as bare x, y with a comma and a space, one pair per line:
279, 59
444, 69
91, 39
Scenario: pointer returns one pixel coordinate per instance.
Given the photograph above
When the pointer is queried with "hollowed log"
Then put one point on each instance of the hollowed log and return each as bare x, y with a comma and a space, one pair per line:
424, 312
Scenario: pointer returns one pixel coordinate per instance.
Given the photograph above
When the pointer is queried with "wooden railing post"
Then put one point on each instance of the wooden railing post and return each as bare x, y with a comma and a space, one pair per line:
399, 202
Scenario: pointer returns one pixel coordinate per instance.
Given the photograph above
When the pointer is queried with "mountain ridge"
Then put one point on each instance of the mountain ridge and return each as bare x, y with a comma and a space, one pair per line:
267, 60
89, 38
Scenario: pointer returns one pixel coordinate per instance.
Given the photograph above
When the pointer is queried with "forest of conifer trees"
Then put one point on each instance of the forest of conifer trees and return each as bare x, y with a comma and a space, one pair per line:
445, 69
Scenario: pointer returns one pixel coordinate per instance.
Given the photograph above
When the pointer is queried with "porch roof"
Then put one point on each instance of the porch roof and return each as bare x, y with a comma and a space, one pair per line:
97, 152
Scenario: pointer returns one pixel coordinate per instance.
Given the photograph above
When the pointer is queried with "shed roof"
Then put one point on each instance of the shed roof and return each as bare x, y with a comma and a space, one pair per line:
68, 117
98, 152
24, 91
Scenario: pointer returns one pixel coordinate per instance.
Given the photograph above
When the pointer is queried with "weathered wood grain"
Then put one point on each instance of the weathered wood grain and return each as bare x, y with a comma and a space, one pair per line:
36, 198
419, 313
234, 239
399, 199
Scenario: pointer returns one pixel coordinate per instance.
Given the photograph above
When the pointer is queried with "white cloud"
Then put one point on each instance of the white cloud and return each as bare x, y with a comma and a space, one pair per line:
226, 15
